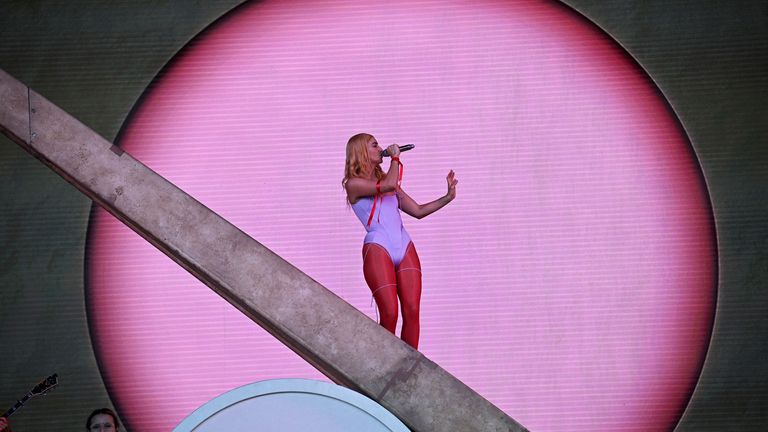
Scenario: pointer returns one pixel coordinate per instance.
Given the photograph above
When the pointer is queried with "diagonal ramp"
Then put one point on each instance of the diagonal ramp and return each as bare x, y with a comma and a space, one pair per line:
323, 329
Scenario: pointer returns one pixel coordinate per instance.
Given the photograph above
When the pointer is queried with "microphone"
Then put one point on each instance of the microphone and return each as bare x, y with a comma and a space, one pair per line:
402, 149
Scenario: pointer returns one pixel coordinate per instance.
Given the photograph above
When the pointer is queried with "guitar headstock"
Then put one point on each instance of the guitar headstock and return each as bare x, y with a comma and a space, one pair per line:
45, 385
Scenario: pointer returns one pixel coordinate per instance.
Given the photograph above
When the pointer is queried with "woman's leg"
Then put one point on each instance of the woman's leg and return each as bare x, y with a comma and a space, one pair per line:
409, 291
379, 273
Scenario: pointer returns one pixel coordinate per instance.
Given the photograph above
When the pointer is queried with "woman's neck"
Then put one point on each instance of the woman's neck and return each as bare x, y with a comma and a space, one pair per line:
372, 174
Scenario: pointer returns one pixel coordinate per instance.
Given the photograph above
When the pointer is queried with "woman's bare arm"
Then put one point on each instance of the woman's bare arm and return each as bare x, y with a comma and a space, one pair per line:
411, 207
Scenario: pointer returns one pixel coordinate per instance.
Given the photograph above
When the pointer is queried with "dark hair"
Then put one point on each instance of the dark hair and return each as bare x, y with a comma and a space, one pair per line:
106, 411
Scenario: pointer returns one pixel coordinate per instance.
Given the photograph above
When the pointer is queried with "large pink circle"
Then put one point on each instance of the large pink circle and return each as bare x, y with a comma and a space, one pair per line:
571, 282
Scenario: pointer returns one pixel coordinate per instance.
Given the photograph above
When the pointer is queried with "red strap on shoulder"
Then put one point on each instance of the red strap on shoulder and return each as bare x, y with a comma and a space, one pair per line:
375, 198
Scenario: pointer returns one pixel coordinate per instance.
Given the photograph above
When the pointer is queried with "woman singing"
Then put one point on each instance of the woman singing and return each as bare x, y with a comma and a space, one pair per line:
390, 262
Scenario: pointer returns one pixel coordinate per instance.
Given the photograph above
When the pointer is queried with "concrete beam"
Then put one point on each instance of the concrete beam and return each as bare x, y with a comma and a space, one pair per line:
333, 336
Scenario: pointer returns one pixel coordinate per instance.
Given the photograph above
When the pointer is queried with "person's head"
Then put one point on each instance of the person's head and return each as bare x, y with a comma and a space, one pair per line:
102, 420
363, 156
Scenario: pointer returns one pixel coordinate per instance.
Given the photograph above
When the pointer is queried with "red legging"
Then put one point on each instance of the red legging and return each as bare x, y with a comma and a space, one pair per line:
387, 283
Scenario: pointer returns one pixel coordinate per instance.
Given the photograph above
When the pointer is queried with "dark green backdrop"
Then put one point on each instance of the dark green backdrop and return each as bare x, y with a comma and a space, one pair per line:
94, 59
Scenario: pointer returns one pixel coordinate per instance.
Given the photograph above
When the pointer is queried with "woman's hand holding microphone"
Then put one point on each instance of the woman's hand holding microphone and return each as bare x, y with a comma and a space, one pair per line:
393, 151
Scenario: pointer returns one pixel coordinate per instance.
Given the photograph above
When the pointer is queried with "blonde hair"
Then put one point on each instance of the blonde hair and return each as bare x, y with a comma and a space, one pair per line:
358, 164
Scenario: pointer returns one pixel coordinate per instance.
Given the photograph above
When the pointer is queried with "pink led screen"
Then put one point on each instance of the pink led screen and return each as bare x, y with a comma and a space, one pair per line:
572, 281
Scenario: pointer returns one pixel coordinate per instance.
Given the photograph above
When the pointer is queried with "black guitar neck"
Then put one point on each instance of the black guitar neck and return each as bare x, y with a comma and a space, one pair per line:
19, 403
41, 388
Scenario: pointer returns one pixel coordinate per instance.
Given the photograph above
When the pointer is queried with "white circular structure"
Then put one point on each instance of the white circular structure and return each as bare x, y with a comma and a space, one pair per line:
288, 405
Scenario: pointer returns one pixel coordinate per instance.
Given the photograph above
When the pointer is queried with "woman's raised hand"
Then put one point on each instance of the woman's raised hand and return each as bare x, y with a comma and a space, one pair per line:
393, 150
452, 181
